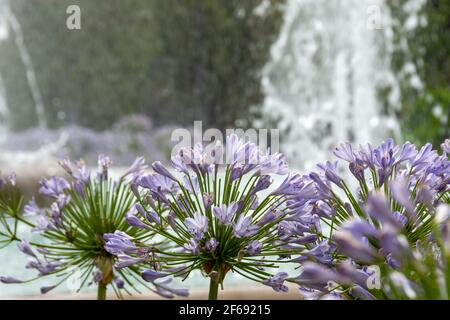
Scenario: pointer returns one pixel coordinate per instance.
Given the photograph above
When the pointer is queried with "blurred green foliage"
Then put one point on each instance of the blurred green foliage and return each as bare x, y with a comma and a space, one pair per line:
425, 111
173, 60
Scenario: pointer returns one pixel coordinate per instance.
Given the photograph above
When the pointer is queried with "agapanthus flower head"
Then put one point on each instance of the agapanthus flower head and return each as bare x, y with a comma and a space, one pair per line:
84, 214
215, 213
377, 224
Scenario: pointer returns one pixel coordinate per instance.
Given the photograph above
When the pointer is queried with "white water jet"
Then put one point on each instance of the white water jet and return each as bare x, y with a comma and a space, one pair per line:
322, 82
11, 20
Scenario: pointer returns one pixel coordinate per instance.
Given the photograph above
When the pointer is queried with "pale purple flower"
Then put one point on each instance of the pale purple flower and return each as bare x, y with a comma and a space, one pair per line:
291, 185
236, 172
211, 245
104, 162
208, 200
53, 187
9, 280
378, 208
119, 242
98, 276
163, 289
25, 247
178, 164
277, 282
192, 246
269, 217
345, 152
244, 227
151, 216
66, 165
407, 152
446, 146
190, 183
358, 249
125, 261
401, 193
197, 225
329, 171
315, 276
83, 175
424, 157
272, 164
12, 178
151, 275
254, 247
263, 183
63, 200
43, 266
217, 152
119, 282
134, 221
158, 184
359, 228
44, 224
361, 293
159, 168
225, 213
32, 209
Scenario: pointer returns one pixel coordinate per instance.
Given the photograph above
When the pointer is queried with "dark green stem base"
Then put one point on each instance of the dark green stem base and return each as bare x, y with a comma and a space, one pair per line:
101, 292
213, 289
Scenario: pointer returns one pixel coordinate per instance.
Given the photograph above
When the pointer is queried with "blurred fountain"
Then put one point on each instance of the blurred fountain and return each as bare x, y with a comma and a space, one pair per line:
4, 33
44, 154
27, 62
322, 82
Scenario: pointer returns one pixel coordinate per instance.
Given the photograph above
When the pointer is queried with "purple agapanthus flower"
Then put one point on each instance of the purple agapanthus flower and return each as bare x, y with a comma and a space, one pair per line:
159, 168
192, 246
211, 245
244, 227
32, 209
119, 242
53, 187
104, 162
133, 220
254, 247
277, 282
225, 214
197, 225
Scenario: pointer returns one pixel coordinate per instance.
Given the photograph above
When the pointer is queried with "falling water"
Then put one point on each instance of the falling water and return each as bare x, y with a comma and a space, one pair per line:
9, 19
323, 80
4, 31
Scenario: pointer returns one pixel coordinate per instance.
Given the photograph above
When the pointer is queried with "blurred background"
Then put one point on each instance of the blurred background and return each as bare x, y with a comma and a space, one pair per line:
320, 71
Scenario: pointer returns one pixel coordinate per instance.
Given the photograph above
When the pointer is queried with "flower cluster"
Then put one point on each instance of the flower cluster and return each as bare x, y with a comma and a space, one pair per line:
377, 228
81, 211
393, 209
222, 212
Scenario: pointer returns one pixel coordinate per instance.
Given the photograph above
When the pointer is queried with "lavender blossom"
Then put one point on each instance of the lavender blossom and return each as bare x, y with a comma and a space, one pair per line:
225, 214
53, 187
244, 227
277, 282
197, 225
254, 247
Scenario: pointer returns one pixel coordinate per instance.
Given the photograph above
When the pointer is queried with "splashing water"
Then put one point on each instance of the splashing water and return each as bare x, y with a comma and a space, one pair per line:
326, 69
8, 20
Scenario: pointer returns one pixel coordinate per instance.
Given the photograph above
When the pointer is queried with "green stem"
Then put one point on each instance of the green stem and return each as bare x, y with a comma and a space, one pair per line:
101, 291
213, 289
